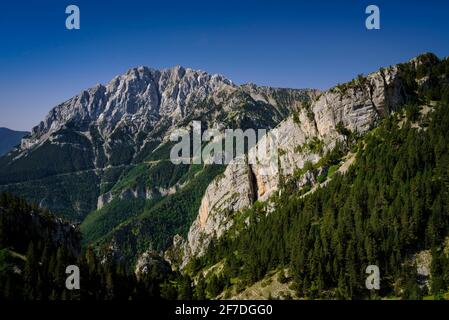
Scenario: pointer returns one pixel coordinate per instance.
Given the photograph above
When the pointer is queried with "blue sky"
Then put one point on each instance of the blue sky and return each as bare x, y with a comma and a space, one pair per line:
279, 43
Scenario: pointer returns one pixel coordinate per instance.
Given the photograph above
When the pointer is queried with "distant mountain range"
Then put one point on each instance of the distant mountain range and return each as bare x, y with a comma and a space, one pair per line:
9, 139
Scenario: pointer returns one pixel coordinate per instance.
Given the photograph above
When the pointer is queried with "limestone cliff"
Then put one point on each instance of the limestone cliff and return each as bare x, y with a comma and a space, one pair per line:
356, 106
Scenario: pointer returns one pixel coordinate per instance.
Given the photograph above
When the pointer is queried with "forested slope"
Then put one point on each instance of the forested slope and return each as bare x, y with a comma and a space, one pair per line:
391, 204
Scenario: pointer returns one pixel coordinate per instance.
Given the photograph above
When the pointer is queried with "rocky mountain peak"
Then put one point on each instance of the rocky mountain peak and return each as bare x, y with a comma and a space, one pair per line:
142, 94
109, 128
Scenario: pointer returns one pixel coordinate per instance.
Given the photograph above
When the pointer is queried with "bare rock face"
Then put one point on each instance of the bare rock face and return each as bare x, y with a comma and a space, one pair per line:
104, 199
150, 261
228, 193
136, 100
357, 106
143, 98
423, 261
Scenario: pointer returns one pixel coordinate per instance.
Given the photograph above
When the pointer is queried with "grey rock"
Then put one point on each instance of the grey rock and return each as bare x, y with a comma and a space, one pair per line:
148, 260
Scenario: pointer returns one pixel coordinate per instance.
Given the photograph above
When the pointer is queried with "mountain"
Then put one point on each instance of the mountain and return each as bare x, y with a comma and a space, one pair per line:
9, 139
72, 161
362, 180
103, 157
306, 138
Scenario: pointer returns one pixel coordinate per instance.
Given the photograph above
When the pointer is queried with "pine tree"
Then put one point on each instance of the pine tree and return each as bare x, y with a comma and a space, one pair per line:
7, 290
200, 288
185, 289
31, 272
168, 291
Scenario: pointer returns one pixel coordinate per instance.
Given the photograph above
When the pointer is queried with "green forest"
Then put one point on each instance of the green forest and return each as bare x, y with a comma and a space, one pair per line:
33, 264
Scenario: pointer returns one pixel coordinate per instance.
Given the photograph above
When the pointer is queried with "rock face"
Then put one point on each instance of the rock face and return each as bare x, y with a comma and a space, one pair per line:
423, 262
150, 261
138, 100
141, 98
356, 106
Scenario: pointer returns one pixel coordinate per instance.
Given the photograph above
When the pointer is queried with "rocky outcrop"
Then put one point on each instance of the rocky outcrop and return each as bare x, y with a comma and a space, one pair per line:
124, 195
135, 193
150, 261
423, 261
104, 199
356, 106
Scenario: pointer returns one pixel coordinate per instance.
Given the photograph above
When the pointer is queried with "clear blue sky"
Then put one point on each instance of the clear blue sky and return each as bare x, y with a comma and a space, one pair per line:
278, 43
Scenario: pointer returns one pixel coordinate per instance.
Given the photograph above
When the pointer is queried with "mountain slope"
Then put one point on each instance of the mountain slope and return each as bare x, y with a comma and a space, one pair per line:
388, 208
103, 157
306, 137
176, 190
9, 139
86, 144
36, 247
